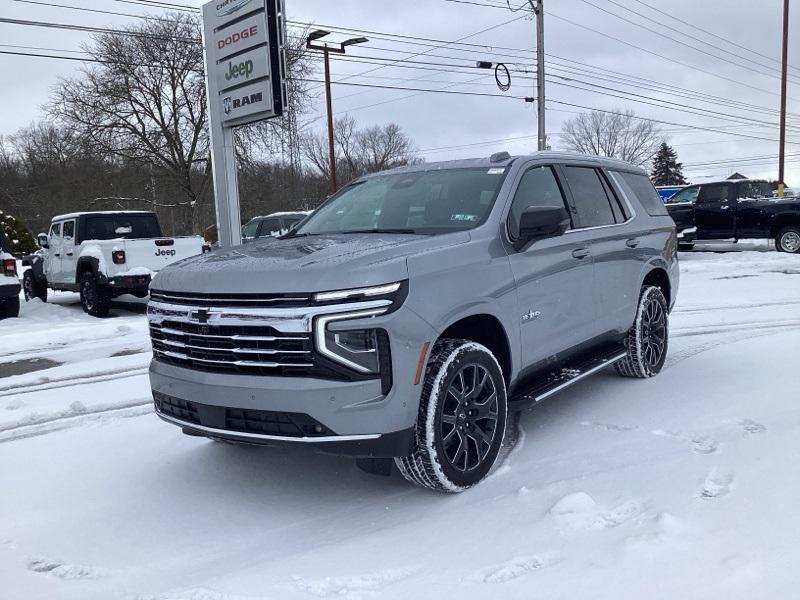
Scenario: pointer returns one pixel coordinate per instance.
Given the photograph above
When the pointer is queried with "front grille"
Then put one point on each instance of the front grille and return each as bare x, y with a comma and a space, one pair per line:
238, 420
252, 349
232, 300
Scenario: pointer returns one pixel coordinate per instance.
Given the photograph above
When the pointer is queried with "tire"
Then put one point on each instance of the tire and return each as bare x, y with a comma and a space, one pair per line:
95, 299
648, 339
686, 247
32, 288
788, 240
462, 412
9, 308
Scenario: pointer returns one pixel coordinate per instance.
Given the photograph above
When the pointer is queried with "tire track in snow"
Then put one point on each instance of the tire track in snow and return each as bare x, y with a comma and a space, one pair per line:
705, 309
71, 380
63, 421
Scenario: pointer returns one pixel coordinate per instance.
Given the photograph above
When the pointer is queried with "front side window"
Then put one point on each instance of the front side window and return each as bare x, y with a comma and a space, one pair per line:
538, 187
55, 231
69, 230
685, 195
591, 201
425, 202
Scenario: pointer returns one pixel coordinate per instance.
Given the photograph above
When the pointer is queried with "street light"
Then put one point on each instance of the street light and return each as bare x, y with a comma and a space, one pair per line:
326, 48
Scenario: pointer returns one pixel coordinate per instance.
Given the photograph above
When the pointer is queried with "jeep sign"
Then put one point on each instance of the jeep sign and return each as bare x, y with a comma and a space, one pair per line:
244, 47
242, 68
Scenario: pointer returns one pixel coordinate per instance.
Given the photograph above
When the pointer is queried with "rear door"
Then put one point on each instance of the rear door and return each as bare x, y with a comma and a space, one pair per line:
715, 211
68, 259
602, 218
554, 276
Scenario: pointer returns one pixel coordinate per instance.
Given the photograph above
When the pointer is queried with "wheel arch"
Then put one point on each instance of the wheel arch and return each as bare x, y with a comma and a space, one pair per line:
658, 276
485, 329
782, 220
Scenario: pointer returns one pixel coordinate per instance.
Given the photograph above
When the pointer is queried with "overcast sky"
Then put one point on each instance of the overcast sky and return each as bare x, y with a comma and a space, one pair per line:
437, 121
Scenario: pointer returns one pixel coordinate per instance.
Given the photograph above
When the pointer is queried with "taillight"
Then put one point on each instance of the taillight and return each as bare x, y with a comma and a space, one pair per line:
206, 247
118, 256
10, 266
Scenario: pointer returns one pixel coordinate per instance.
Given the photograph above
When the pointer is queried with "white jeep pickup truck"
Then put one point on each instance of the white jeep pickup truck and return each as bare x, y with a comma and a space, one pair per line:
103, 255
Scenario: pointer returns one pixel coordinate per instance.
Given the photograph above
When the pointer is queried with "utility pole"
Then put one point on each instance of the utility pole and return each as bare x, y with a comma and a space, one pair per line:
326, 50
538, 9
784, 64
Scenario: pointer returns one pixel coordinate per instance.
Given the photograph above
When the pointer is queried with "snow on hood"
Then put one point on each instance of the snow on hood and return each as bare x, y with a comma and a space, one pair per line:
302, 264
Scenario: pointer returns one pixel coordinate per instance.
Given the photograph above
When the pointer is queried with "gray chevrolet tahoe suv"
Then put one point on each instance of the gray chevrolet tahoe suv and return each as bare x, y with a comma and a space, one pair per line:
416, 308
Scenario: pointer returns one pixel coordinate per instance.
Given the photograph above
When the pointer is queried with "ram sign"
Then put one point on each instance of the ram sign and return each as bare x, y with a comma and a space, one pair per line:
244, 60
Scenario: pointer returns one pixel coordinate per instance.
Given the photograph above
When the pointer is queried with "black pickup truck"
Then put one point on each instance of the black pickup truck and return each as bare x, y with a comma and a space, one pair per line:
733, 210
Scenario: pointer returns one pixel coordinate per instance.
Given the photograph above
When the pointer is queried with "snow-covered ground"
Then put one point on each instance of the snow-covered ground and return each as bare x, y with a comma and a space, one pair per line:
683, 486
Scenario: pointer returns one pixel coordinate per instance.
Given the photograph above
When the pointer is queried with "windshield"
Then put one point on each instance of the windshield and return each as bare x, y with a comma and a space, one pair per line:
424, 202
109, 227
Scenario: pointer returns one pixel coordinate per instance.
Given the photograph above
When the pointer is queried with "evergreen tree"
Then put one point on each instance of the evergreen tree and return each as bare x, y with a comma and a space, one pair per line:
666, 168
19, 238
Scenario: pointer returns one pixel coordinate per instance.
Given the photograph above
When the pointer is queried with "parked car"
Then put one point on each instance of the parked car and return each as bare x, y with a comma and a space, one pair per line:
103, 255
416, 307
273, 225
9, 280
734, 210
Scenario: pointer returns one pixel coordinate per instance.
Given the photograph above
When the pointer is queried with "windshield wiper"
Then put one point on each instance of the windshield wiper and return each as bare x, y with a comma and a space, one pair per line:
383, 230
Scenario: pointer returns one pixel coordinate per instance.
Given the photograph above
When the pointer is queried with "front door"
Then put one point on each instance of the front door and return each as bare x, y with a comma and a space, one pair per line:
52, 260
715, 212
554, 276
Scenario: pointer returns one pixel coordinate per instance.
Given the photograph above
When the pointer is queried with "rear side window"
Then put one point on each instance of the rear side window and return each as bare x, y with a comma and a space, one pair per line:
538, 187
591, 200
640, 187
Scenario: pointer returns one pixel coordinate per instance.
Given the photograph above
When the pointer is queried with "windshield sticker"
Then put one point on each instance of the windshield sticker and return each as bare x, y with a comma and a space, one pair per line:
469, 218
496, 171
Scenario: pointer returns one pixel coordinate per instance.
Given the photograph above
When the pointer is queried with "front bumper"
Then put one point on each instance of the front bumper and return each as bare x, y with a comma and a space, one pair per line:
356, 416
129, 282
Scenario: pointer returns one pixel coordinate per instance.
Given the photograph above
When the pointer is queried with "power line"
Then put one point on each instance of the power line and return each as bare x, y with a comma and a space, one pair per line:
707, 32
90, 10
677, 41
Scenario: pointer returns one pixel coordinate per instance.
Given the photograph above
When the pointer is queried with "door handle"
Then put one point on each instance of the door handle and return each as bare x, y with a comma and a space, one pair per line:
57, 255
632, 243
724, 207
69, 253
580, 253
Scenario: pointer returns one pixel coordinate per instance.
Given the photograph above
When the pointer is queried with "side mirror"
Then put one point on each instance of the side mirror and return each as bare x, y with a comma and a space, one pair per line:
538, 222
43, 240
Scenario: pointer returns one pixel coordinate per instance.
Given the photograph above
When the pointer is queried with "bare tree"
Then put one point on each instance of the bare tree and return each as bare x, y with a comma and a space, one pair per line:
359, 151
144, 102
615, 134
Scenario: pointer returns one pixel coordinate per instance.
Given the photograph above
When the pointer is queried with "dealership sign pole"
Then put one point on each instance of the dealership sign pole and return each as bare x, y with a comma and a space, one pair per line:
245, 83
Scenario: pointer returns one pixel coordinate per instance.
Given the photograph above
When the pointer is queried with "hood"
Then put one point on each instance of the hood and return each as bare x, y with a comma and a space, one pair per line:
302, 264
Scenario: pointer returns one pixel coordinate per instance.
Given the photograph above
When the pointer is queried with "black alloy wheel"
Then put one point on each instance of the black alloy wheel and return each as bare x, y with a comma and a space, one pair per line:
468, 422
654, 332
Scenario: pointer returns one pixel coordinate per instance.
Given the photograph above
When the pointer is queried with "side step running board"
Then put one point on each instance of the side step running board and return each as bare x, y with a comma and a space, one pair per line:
565, 377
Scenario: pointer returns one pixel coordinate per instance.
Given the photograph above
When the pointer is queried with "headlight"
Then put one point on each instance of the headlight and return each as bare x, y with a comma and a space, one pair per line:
359, 348
396, 292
